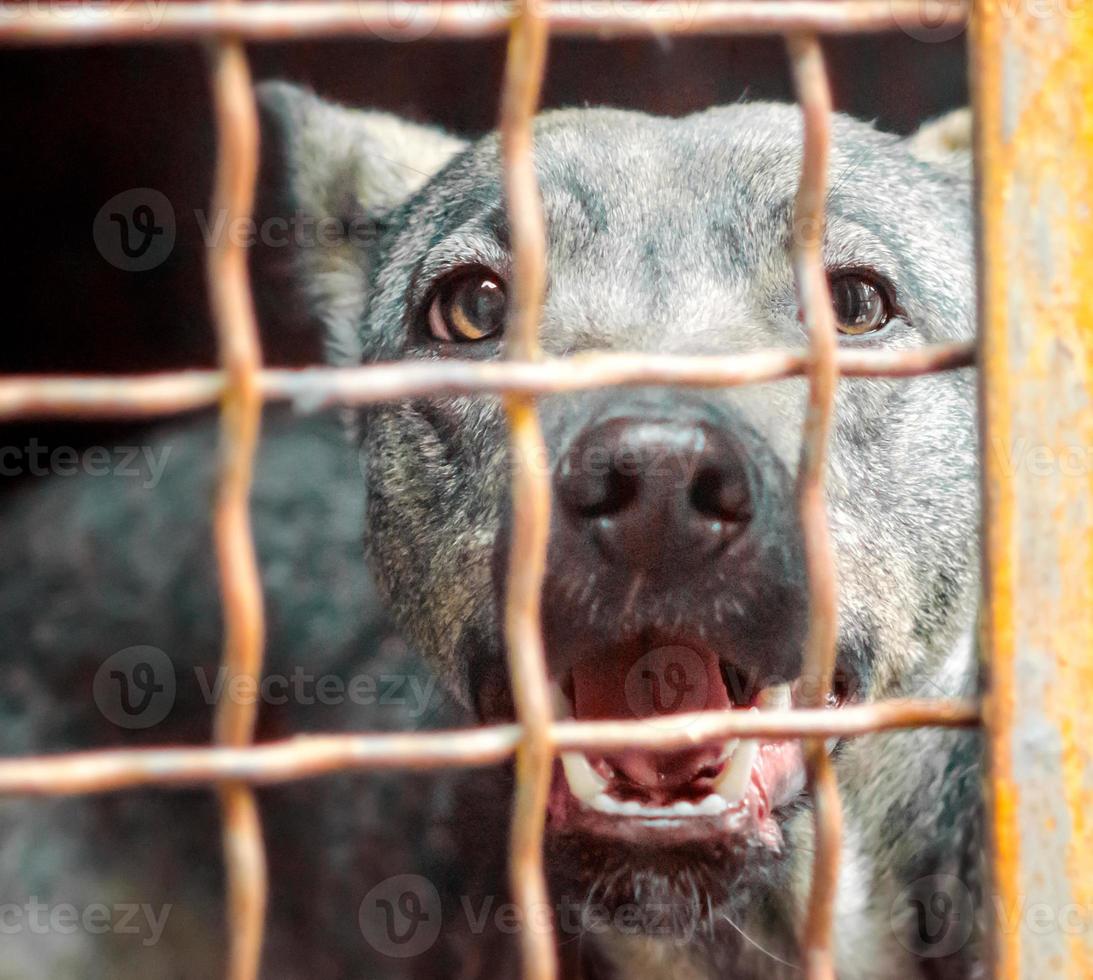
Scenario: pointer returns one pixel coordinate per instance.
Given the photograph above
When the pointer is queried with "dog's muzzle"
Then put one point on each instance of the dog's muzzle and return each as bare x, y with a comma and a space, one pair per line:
675, 583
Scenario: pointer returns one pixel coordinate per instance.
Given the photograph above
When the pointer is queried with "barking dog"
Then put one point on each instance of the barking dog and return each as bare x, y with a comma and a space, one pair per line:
674, 581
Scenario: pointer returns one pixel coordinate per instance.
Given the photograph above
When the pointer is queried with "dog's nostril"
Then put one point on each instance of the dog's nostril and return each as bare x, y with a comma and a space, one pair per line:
715, 496
611, 495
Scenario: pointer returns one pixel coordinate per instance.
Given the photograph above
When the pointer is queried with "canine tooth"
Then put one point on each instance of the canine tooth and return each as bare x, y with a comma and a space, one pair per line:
776, 696
728, 749
560, 702
584, 782
734, 780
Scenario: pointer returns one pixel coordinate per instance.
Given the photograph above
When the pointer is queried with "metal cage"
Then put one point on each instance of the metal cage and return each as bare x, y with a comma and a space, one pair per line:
1034, 101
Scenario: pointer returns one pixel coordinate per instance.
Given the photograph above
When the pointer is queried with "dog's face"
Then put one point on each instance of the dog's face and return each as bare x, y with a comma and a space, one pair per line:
675, 578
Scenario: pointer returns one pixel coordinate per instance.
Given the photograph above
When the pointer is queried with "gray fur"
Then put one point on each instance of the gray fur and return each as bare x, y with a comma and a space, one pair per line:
665, 235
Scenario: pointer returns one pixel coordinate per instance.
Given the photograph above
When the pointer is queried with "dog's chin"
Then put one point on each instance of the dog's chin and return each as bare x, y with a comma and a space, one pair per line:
671, 891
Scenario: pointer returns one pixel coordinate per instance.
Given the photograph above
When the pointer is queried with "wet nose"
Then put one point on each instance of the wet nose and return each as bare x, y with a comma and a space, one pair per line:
655, 492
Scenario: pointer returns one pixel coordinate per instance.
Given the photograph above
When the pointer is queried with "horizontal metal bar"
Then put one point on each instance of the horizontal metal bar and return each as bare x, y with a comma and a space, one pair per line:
144, 21
144, 396
307, 756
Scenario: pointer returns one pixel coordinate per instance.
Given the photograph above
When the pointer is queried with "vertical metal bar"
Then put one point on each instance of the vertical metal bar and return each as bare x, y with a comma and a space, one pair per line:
814, 95
524, 68
1033, 85
241, 408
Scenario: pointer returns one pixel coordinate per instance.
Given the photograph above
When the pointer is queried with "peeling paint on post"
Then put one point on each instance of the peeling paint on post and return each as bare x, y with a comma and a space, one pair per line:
1033, 80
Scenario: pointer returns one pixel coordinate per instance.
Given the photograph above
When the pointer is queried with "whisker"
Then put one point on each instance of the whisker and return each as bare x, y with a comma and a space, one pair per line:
762, 949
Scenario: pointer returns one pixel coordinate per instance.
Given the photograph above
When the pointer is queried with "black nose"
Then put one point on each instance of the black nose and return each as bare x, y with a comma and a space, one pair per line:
655, 492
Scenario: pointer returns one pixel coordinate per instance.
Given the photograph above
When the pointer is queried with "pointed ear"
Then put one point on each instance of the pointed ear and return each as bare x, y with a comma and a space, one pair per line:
342, 171
945, 141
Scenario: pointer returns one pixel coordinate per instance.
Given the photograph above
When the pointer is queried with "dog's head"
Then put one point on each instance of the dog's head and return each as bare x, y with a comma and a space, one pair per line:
675, 577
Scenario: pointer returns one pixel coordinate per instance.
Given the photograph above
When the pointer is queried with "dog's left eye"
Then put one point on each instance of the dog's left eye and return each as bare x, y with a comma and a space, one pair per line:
467, 306
861, 304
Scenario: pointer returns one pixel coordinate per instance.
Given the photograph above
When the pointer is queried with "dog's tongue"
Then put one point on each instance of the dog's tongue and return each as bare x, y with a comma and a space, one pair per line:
666, 680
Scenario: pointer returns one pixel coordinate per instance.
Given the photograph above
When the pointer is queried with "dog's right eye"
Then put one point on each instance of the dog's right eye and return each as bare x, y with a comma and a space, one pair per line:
467, 306
861, 304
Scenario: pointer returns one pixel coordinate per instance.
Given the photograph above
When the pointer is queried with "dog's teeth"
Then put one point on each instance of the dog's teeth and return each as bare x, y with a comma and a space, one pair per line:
560, 702
728, 749
776, 696
584, 782
711, 806
734, 780
608, 804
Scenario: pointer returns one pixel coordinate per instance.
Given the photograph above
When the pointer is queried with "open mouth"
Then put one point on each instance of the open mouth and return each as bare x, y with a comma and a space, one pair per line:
735, 789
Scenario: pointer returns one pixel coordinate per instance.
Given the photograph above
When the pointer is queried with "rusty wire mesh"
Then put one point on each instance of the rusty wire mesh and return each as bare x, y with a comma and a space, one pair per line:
234, 765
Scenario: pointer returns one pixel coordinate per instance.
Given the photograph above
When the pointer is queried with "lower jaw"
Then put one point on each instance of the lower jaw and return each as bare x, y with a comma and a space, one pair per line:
675, 869
708, 810
736, 830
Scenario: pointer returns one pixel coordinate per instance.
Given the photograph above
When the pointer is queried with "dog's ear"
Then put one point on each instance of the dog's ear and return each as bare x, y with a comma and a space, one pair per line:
945, 141
341, 173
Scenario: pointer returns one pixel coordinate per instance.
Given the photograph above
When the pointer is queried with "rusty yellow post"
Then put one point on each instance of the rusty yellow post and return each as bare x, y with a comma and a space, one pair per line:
1033, 82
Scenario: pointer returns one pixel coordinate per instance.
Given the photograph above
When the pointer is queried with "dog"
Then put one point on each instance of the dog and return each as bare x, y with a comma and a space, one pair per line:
674, 578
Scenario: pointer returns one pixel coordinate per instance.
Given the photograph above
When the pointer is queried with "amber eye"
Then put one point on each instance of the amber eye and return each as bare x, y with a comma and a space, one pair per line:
861, 306
468, 305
